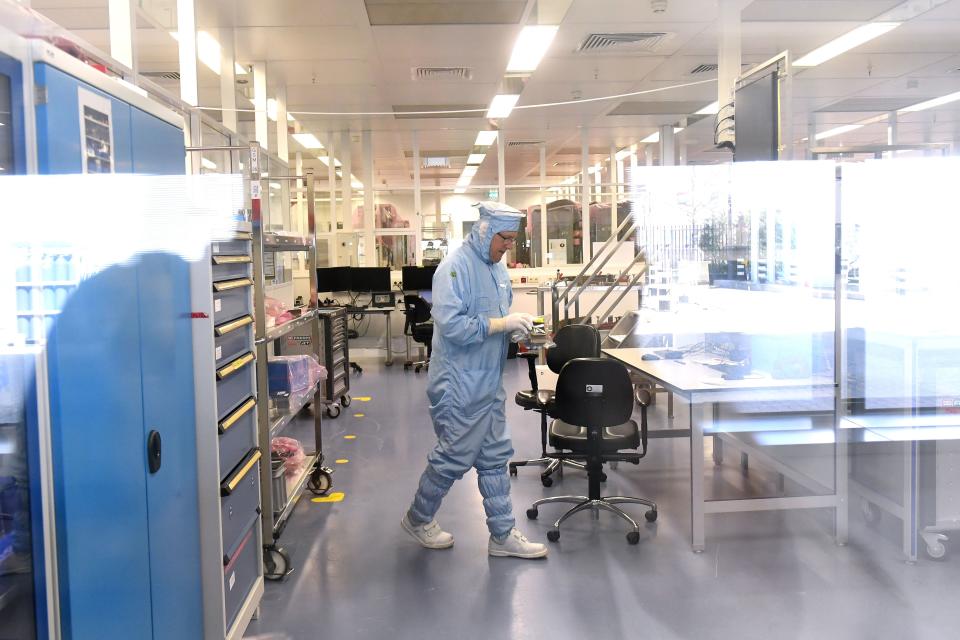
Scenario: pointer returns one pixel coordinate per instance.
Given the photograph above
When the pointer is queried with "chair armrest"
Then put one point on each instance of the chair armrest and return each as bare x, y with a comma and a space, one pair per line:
531, 358
544, 397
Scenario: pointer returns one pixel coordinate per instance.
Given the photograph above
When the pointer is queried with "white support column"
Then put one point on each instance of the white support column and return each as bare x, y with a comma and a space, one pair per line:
811, 135
123, 33
283, 138
418, 199
501, 171
543, 205
332, 185
668, 151
728, 54
187, 45
346, 168
369, 214
261, 128
228, 80
301, 216
648, 156
614, 187
585, 195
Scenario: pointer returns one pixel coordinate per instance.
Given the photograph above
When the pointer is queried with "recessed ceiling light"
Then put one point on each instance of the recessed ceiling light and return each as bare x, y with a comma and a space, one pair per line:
470, 170
307, 141
929, 104
502, 104
711, 109
531, 45
239, 69
290, 118
846, 42
208, 164
275, 185
464, 181
459, 190
836, 131
485, 138
476, 158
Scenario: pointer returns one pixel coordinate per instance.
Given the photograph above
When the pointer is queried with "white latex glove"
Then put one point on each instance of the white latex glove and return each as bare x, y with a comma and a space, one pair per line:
513, 323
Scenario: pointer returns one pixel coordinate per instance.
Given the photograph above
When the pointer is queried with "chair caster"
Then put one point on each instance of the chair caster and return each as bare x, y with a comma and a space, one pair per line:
532, 513
407, 366
546, 481
553, 535
633, 537
651, 515
513, 469
603, 477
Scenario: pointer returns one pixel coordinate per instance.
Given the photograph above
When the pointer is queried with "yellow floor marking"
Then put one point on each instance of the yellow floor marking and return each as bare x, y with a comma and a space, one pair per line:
333, 497
342, 461
349, 437
359, 415
362, 398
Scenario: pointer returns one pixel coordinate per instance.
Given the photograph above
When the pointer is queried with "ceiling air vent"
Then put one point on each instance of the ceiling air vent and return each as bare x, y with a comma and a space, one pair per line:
435, 162
704, 68
638, 41
443, 74
161, 75
523, 143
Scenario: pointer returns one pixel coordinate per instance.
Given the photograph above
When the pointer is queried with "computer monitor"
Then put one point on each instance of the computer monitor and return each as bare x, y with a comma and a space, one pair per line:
418, 278
333, 279
369, 279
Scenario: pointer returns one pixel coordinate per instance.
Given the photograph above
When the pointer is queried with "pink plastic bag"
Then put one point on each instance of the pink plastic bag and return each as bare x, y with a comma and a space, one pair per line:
291, 451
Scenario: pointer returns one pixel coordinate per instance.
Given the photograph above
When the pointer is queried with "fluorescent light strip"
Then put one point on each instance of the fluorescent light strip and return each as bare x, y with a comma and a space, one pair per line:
239, 69
710, 110
502, 104
464, 181
208, 51
307, 140
836, 131
459, 190
485, 138
531, 45
276, 185
272, 109
208, 164
290, 117
930, 104
655, 136
470, 170
476, 158
846, 42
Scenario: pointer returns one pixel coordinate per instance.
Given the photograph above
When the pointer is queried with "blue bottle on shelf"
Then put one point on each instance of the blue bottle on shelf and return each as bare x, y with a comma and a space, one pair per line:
23, 299
48, 268
49, 299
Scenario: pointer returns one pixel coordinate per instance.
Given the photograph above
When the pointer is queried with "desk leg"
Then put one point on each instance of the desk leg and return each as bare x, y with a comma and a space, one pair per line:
389, 341
842, 489
911, 499
670, 404
696, 479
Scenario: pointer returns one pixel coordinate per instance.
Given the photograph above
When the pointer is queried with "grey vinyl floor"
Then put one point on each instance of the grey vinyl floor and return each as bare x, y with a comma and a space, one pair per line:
763, 575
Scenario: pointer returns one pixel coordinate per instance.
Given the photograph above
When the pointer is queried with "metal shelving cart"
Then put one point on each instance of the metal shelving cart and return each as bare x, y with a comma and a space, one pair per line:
276, 416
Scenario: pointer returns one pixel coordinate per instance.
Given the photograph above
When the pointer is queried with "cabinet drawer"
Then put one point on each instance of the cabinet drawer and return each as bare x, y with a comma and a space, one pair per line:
240, 573
231, 267
238, 435
238, 247
232, 299
234, 384
232, 339
240, 501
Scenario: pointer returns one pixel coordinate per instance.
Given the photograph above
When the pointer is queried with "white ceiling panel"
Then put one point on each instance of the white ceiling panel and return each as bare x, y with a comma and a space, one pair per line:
597, 69
865, 65
297, 43
819, 10
595, 11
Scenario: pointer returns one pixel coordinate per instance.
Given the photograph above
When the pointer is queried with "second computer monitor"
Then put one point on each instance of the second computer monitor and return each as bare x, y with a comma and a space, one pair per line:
369, 279
418, 278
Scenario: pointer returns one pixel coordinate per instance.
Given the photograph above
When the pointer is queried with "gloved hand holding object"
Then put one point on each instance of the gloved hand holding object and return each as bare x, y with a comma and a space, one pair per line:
515, 322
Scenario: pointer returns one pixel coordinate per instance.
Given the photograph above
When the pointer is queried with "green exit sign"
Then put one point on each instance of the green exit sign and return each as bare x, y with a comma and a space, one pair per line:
492, 195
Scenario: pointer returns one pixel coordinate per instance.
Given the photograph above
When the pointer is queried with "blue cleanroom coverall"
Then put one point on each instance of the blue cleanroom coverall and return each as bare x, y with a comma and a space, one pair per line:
466, 369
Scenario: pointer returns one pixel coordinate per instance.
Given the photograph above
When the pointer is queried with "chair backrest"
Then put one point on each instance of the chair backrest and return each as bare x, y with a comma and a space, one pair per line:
594, 392
416, 309
573, 341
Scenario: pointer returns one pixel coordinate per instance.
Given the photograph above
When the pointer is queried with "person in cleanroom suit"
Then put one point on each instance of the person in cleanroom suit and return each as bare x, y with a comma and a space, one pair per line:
472, 328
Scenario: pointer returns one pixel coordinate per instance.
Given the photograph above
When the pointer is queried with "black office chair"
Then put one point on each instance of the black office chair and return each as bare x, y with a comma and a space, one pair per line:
596, 393
418, 326
571, 341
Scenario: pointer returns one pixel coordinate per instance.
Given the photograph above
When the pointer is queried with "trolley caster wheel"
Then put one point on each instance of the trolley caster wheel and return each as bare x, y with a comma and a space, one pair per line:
936, 551
870, 512
651, 515
546, 481
603, 477
553, 535
388, 364
407, 366
276, 564
417, 369
346, 400
633, 537
532, 513
320, 481
333, 411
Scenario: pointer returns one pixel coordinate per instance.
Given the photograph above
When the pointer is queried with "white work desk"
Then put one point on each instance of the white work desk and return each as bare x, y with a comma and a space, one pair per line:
705, 389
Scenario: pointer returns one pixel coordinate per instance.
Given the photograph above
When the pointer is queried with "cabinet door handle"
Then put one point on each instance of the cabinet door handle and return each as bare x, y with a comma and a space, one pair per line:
154, 452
